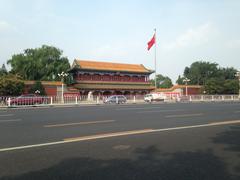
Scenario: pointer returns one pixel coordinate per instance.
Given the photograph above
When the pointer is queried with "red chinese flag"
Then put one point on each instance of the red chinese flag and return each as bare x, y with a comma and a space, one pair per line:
151, 42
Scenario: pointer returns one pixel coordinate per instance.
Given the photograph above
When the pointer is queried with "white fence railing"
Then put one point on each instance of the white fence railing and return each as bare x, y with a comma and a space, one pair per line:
71, 100
58, 100
209, 98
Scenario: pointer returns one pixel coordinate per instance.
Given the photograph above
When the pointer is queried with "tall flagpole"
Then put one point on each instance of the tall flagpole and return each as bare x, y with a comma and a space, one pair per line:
155, 58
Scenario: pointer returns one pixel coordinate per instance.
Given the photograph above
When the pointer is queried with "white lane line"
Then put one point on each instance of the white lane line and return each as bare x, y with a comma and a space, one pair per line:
118, 134
237, 112
78, 123
107, 135
84, 138
200, 125
138, 108
174, 110
183, 115
9, 120
4, 115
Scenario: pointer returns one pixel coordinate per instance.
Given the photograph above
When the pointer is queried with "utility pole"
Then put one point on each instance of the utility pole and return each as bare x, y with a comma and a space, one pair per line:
62, 75
186, 80
238, 76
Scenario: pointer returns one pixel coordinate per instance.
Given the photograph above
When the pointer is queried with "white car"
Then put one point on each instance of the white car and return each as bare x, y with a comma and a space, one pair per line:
154, 97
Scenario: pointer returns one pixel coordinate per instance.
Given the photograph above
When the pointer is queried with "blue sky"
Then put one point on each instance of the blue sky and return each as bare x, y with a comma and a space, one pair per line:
118, 31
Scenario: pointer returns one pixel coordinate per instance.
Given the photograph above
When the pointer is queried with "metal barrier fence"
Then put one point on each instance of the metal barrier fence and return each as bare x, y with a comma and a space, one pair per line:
71, 100
209, 98
6, 101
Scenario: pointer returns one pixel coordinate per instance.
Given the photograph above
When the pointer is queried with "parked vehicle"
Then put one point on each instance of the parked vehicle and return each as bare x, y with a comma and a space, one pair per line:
154, 97
27, 99
116, 99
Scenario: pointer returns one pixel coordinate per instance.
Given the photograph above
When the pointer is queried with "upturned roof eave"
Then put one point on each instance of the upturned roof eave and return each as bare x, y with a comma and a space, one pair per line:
100, 70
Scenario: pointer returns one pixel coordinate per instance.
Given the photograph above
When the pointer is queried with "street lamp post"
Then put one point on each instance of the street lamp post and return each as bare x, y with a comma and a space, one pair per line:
186, 80
238, 76
62, 75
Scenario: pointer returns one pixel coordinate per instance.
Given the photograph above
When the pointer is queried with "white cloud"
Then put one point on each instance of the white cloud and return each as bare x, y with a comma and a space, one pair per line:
234, 44
4, 26
192, 37
108, 51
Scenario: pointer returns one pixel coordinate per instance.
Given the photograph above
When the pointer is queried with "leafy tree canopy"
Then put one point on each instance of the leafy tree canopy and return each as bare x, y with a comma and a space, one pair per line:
11, 85
200, 71
162, 81
42, 63
180, 80
37, 88
216, 80
3, 70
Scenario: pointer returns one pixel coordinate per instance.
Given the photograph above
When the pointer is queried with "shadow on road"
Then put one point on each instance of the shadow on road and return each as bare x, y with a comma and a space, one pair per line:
149, 164
231, 138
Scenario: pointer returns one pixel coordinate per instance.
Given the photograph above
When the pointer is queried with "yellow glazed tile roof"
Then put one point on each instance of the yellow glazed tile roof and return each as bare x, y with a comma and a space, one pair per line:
50, 83
97, 65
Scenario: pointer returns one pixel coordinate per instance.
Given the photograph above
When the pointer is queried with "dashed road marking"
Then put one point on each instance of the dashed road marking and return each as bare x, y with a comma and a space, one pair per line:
183, 115
5, 115
9, 120
138, 108
121, 147
170, 110
118, 134
78, 123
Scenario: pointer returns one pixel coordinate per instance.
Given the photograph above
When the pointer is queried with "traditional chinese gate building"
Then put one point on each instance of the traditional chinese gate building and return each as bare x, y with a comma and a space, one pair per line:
105, 78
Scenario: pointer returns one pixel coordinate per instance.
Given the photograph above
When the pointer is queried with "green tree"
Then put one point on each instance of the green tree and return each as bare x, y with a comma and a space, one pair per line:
231, 86
214, 86
162, 81
42, 63
216, 80
11, 85
225, 82
227, 73
200, 71
37, 88
180, 80
3, 70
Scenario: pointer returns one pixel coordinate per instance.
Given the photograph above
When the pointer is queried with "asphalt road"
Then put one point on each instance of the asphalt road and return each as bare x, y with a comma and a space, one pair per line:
149, 141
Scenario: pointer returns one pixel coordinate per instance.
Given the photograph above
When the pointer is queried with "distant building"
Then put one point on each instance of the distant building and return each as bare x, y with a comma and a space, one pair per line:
52, 88
105, 78
181, 90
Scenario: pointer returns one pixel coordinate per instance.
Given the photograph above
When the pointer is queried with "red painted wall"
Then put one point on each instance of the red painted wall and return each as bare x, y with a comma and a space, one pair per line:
88, 77
192, 91
50, 90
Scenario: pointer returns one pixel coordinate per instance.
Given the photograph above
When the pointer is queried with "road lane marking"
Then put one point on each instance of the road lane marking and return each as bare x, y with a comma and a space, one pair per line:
121, 147
9, 120
200, 125
237, 112
84, 138
173, 110
183, 115
138, 108
107, 135
4, 115
79, 123
118, 134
